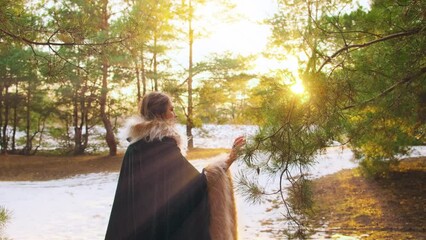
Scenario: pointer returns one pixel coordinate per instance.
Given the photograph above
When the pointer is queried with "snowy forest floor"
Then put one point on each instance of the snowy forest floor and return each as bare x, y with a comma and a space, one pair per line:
345, 202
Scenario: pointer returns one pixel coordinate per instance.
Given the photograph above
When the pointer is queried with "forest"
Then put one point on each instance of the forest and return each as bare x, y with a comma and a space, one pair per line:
70, 66
339, 72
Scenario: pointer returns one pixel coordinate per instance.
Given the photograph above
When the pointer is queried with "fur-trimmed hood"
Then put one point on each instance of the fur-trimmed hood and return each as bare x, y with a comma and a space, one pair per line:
138, 128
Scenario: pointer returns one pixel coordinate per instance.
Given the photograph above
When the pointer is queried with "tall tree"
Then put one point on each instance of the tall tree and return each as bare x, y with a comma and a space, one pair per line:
189, 111
190, 8
385, 75
90, 31
74, 65
294, 127
364, 75
104, 26
149, 23
18, 88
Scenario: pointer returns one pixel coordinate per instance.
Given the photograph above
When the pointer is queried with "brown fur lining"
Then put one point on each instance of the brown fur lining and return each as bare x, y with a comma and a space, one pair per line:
223, 222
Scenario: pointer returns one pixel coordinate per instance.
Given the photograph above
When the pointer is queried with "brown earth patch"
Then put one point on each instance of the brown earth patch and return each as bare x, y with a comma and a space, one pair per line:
42, 168
390, 208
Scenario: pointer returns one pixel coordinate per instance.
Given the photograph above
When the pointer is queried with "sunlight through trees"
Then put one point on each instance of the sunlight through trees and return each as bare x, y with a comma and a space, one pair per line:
308, 73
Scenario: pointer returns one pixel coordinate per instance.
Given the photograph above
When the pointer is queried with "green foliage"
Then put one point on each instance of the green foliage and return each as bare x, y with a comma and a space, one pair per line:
288, 137
293, 129
388, 83
62, 137
378, 167
300, 196
365, 70
364, 75
250, 189
69, 60
224, 88
23, 98
4, 217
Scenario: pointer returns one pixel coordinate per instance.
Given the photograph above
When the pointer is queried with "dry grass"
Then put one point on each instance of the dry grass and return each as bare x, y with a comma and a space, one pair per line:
202, 153
40, 168
391, 208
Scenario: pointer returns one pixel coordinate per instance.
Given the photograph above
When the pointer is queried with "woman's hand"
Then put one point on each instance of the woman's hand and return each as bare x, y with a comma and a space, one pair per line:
236, 147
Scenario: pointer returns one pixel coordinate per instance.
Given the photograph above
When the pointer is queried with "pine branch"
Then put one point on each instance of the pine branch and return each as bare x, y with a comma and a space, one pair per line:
358, 46
407, 79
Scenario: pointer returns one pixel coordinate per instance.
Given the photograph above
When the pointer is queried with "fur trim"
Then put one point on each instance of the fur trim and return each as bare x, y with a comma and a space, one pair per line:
223, 221
138, 128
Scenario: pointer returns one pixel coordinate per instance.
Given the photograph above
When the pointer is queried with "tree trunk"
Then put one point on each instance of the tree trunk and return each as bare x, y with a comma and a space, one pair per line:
84, 101
86, 107
86, 126
189, 123
6, 120
15, 121
143, 72
28, 142
109, 136
1, 120
138, 80
77, 129
78, 113
155, 63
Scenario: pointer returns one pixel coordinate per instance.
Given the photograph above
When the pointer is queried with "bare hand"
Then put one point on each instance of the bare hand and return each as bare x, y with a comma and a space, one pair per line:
239, 142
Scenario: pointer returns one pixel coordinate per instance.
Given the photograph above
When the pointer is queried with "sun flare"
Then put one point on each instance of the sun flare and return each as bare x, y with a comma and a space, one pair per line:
298, 87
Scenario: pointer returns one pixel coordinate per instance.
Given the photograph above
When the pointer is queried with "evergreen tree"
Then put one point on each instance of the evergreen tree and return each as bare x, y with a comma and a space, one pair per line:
364, 75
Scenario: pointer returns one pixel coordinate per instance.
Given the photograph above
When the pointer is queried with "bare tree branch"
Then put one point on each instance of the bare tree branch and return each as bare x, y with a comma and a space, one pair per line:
49, 43
66, 60
407, 79
357, 46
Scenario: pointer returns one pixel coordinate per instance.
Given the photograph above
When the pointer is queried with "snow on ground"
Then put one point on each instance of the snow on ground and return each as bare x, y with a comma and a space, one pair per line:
74, 208
79, 207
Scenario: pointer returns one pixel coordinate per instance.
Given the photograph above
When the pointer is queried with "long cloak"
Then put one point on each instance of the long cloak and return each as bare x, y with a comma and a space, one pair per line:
159, 195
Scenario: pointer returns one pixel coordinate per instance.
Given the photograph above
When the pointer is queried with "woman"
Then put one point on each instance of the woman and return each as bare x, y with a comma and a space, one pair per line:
160, 195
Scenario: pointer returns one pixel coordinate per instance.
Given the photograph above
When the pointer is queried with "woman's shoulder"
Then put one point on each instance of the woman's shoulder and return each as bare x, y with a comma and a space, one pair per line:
168, 140
165, 142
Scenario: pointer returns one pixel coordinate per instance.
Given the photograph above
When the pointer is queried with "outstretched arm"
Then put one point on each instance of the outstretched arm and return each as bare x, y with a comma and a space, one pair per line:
236, 147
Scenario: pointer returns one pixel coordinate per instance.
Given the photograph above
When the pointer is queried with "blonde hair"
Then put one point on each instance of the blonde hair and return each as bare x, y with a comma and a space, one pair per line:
154, 106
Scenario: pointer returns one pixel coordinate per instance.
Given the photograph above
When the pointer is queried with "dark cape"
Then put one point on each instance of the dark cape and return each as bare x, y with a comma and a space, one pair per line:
159, 195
